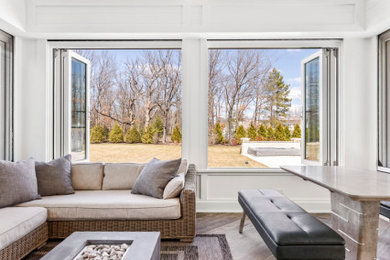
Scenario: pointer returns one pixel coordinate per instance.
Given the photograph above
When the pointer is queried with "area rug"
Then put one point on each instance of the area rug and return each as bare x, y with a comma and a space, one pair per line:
204, 247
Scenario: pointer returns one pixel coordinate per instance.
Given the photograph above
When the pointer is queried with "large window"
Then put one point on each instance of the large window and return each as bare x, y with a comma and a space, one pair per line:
269, 107
384, 108
124, 105
6, 97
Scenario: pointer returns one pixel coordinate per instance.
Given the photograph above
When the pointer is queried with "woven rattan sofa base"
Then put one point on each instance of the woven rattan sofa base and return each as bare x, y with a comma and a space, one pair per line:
182, 228
22, 247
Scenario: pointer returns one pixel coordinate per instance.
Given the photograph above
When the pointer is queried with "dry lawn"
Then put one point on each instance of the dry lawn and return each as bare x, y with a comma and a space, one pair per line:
219, 155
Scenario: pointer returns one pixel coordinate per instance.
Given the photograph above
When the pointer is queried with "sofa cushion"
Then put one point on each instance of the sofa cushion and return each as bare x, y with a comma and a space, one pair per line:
176, 185
17, 222
121, 176
111, 204
155, 176
87, 176
18, 182
55, 177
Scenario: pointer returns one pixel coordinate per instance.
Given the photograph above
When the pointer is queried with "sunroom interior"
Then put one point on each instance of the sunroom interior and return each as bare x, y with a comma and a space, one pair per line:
271, 117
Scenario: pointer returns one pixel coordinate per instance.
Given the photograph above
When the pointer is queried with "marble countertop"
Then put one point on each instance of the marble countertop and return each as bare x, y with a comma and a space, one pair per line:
358, 184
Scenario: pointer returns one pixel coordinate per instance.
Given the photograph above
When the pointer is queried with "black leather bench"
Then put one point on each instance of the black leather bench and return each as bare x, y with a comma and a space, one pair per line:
287, 229
385, 209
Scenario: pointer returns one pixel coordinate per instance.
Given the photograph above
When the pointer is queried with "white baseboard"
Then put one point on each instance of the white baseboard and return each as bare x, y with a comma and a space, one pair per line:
214, 206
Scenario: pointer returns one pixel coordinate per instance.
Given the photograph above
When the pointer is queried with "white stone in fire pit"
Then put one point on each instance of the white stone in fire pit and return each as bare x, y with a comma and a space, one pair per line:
103, 252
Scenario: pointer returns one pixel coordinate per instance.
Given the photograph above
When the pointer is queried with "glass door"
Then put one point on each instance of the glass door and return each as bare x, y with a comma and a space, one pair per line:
76, 112
314, 137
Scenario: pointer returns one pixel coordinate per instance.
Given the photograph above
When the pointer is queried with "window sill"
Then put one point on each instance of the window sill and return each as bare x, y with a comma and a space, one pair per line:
242, 171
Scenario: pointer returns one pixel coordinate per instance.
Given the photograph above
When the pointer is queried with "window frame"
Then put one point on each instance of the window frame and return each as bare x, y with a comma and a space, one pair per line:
382, 104
8, 41
58, 116
332, 117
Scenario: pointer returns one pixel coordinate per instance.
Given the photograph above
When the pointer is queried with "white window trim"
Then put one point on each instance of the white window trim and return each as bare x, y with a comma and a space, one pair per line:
8, 98
285, 44
195, 84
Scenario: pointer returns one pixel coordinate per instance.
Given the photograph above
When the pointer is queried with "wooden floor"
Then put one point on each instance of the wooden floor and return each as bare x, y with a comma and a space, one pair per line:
249, 244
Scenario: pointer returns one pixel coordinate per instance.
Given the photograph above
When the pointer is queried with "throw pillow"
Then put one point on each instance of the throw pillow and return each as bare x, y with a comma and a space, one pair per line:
176, 185
18, 182
55, 177
155, 176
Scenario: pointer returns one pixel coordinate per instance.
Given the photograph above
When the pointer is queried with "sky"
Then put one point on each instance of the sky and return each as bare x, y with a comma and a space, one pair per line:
287, 61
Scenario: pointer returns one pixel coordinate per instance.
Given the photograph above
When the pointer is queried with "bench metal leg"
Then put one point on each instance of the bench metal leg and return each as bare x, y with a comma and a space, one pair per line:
242, 223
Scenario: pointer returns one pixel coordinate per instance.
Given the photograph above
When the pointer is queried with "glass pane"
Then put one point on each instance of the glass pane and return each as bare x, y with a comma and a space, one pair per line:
78, 110
255, 107
2, 100
312, 110
135, 105
384, 142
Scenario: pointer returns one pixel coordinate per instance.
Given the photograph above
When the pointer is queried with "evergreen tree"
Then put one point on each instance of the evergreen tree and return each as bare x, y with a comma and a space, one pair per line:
262, 132
270, 134
251, 132
287, 133
158, 126
240, 133
276, 92
147, 135
176, 135
133, 136
279, 133
98, 134
116, 134
219, 135
297, 131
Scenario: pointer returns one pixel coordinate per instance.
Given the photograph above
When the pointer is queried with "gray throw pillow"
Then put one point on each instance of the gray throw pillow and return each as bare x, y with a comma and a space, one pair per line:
55, 177
155, 176
18, 182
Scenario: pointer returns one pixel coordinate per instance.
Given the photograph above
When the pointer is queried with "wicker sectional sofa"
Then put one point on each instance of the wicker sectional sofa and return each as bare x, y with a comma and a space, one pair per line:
97, 205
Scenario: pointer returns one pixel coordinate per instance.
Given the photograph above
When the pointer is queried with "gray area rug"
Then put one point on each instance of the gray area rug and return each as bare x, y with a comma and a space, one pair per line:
204, 247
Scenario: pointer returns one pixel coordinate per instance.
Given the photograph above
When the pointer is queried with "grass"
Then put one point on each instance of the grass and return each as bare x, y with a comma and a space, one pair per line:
220, 156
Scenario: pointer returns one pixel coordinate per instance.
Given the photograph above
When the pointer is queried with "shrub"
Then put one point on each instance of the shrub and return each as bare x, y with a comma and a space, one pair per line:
240, 133
158, 126
262, 132
147, 135
116, 134
270, 134
287, 133
98, 134
297, 131
279, 133
219, 135
176, 135
133, 136
251, 132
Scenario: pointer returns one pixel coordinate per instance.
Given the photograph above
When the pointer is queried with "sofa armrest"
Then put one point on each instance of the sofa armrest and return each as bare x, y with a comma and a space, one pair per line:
187, 195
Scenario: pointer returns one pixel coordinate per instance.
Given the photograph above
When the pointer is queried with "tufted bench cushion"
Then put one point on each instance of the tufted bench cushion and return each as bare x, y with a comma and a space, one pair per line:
287, 229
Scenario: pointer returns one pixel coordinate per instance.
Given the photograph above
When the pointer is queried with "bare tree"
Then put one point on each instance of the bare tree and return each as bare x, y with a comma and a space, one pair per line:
242, 72
169, 85
215, 93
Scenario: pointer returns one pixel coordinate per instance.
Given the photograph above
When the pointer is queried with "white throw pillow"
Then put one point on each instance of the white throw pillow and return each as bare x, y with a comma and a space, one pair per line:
176, 185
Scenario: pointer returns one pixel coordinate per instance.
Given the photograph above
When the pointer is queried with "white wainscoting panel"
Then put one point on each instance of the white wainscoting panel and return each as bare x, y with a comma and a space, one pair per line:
217, 192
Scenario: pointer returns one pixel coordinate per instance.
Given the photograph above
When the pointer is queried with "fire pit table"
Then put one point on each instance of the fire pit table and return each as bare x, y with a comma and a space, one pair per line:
114, 245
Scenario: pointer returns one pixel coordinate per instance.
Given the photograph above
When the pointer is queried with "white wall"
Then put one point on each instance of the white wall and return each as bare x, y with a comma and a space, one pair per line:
13, 16
194, 21
32, 99
359, 103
